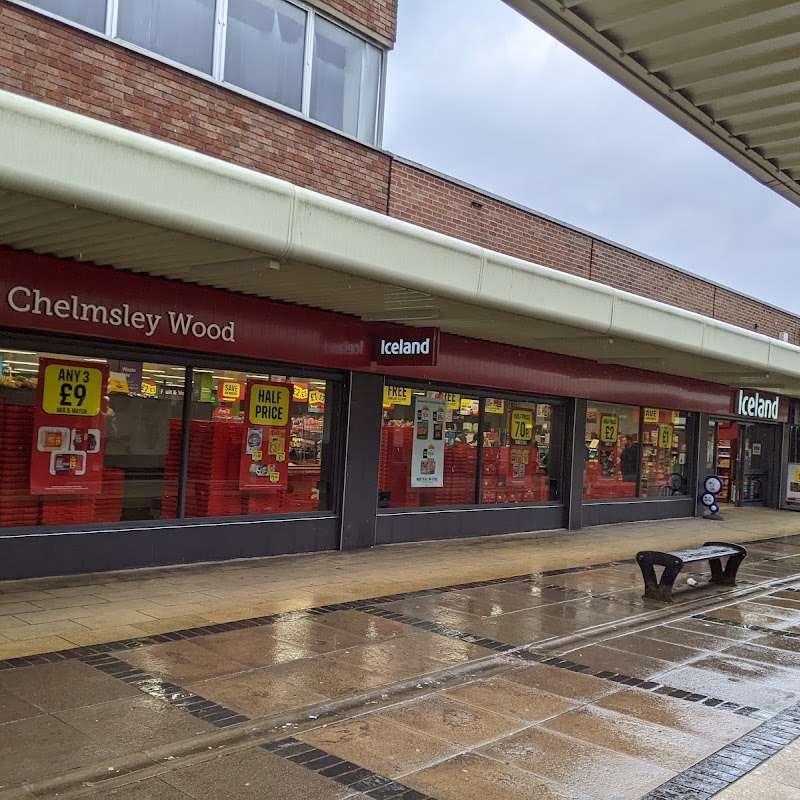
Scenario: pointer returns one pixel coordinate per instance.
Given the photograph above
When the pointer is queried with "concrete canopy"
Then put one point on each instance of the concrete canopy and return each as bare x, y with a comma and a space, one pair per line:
77, 188
728, 71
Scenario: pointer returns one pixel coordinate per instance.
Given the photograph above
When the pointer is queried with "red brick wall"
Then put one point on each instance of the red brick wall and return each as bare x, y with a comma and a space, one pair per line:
57, 64
433, 202
430, 201
624, 270
746, 313
379, 16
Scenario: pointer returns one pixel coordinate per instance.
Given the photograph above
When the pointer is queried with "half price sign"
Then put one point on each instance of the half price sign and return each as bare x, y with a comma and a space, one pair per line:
264, 462
609, 429
521, 425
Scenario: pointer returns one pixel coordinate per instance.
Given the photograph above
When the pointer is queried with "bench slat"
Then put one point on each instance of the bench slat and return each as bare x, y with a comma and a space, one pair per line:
703, 553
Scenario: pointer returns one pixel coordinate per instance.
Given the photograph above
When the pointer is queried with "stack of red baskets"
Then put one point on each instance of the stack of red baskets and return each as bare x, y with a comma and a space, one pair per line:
172, 469
394, 474
213, 477
17, 507
108, 506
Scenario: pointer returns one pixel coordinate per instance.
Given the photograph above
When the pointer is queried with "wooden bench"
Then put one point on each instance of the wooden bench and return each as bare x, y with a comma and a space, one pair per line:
674, 561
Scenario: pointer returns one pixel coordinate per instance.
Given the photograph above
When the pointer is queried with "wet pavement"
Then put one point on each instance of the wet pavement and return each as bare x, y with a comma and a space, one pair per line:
559, 682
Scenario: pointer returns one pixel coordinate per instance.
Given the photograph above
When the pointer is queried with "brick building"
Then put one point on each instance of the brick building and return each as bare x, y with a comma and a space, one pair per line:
195, 213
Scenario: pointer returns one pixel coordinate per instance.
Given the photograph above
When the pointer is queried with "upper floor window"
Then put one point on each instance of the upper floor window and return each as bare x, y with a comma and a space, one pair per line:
180, 30
265, 49
89, 13
282, 51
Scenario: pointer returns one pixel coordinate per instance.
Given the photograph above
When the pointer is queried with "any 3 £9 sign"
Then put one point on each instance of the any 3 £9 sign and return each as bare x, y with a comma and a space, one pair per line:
71, 390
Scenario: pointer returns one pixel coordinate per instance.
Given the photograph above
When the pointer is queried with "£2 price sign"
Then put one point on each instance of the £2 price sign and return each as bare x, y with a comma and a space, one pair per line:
609, 430
69, 428
264, 462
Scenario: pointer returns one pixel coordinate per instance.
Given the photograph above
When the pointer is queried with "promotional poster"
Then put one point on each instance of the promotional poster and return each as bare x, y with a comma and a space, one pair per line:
427, 464
265, 445
793, 484
69, 428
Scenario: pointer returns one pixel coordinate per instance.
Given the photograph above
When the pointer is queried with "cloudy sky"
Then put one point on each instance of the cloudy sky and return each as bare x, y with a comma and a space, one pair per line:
477, 92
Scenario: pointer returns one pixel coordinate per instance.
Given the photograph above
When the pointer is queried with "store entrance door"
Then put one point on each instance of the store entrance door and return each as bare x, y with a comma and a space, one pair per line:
756, 449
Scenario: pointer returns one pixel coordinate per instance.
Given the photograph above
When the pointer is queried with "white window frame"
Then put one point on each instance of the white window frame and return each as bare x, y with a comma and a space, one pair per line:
218, 59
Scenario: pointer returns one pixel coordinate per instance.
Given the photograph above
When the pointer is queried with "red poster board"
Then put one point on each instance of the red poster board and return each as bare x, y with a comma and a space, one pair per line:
265, 444
522, 465
69, 428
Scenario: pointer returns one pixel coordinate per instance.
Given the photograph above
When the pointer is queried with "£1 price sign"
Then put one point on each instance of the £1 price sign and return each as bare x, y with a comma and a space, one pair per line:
69, 428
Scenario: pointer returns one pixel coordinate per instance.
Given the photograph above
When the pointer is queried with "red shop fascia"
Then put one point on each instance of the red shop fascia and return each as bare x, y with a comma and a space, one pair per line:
44, 294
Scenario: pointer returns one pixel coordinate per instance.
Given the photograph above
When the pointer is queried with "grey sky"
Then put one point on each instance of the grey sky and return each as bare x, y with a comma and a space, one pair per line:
478, 92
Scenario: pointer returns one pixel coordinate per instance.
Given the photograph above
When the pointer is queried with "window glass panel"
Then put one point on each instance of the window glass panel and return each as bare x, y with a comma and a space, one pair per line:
664, 468
344, 75
112, 464
516, 455
449, 452
90, 13
181, 30
612, 451
370, 88
264, 49
231, 456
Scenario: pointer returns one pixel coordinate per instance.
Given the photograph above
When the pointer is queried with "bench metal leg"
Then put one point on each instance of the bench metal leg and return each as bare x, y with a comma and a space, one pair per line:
728, 576
658, 590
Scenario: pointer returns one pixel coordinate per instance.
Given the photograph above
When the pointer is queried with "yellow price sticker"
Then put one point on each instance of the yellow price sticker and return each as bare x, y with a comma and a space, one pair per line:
280, 457
609, 429
274, 477
300, 393
257, 455
396, 395
231, 390
521, 425
453, 401
73, 391
665, 436
651, 416
269, 404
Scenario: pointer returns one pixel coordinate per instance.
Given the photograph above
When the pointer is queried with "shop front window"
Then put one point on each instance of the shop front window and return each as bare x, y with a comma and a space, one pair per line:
664, 470
429, 448
434, 441
100, 440
612, 451
86, 439
258, 444
516, 465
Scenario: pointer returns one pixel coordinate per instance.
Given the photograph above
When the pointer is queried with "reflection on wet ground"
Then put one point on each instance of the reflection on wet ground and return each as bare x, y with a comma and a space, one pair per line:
552, 685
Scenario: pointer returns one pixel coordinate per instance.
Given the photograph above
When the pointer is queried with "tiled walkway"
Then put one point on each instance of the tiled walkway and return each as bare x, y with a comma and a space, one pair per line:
51, 614
456, 670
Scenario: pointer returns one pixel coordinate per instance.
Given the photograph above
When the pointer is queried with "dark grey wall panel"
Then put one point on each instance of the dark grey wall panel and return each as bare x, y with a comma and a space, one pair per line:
419, 526
362, 457
641, 511
36, 555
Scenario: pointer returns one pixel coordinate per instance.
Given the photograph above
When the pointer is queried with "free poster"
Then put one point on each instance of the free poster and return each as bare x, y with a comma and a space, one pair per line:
264, 462
427, 463
69, 428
